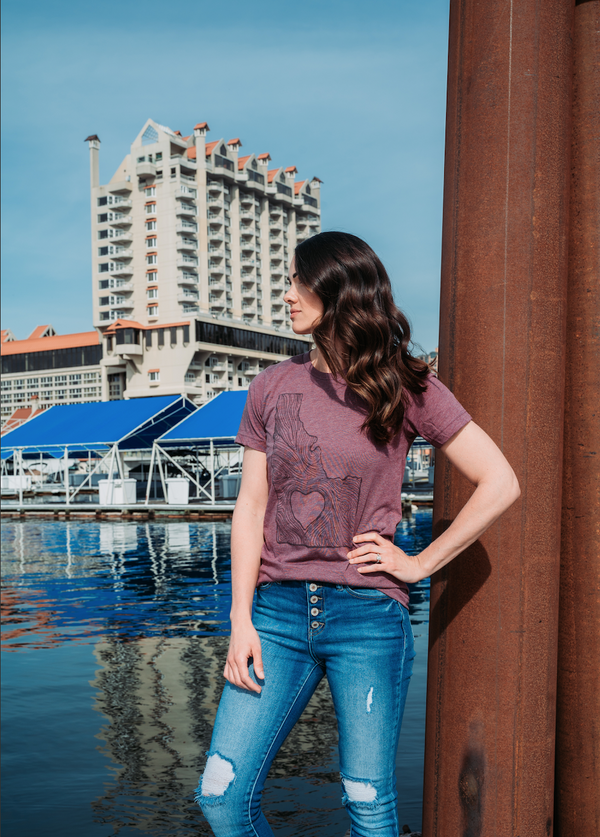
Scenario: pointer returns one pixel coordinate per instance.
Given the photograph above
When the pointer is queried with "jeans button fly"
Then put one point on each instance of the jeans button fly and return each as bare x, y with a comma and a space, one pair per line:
314, 624
314, 599
312, 588
314, 611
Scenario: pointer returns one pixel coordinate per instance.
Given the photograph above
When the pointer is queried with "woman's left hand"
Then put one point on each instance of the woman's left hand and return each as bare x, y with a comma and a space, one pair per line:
393, 560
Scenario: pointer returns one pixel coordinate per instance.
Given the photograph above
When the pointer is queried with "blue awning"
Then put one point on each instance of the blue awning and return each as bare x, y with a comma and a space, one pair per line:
219, 420
133, 424
6, 454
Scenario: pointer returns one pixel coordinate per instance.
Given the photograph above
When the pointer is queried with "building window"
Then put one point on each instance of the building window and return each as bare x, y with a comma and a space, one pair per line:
173, 172
104, 315
153, 310
90, 376
115, 386
161, 337
152, 293
154, 375
102, 201
150, 191
149, 339
151, 258
151, 225
151, 208
104, 300
75, 379
102, 219
152, 275
74, 393
173, 336
151, 241
103, 268
186, 334
102, 234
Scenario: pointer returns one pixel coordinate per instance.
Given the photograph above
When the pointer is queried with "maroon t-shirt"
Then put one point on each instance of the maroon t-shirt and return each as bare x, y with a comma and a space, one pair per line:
328, 481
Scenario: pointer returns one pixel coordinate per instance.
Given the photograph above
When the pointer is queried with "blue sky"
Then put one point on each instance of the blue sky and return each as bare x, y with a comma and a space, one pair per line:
352, 92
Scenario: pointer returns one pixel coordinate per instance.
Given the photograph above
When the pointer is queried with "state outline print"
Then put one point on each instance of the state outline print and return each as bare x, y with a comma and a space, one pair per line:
313, 509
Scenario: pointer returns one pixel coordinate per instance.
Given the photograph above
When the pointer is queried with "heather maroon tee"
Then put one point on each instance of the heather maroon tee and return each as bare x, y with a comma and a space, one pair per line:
327, 480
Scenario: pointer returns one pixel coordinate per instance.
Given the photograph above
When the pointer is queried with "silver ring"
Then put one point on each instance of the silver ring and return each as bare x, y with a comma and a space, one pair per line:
378, 558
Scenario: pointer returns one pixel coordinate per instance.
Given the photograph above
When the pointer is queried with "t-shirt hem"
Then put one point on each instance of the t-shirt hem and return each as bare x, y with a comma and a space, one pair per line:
453, 427
250, 442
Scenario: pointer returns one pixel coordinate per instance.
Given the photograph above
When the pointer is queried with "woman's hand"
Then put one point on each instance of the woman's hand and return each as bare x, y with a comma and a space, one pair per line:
243, 645
394, 560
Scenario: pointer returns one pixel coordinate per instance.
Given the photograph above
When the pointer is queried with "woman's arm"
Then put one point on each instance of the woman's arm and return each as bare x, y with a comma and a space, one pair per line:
479, 459
246, 546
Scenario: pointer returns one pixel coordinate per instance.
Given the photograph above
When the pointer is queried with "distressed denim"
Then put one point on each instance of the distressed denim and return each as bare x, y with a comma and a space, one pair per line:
362, 641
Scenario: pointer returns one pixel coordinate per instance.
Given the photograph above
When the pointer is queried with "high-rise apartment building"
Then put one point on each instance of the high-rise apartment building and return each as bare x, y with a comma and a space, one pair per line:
191, 243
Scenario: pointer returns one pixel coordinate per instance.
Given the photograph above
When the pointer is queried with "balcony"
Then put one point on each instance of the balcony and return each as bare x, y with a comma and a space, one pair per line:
186, 227
122, 235
185, 209
187, 244
217, 303
145, 170
215, 201
187, 178
185, 192
187, 261
247, 260
216, 250
184, 281
216, 285
123, 286
128, 349
215, 236
119, 202
187, 297
121, 253
121, 269
119, 218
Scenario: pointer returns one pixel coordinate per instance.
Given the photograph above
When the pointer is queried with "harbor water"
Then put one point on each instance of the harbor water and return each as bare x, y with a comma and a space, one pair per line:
114, 637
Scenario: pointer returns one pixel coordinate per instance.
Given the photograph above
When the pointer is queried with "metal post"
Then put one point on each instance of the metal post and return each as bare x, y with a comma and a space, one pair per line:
20, 477
489, 752
577, 802
66, 475
212, 472
150, 473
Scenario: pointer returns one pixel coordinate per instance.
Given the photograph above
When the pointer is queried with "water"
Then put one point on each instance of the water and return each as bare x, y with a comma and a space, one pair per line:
114, 638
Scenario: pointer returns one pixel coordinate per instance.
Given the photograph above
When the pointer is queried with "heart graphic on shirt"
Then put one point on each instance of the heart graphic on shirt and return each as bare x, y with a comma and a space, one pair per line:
306, 508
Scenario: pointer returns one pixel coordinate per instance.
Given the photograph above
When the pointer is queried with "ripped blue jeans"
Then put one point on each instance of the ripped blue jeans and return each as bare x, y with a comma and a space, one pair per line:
362, 640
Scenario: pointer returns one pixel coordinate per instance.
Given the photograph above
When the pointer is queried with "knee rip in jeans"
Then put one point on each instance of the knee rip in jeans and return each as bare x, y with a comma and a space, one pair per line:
217, 777
359, 792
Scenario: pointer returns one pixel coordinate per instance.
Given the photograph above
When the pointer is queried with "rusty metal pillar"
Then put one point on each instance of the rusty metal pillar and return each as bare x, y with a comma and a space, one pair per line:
489, 753
577, 801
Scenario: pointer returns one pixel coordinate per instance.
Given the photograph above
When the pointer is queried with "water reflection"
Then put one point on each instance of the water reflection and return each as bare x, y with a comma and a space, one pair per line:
152, 602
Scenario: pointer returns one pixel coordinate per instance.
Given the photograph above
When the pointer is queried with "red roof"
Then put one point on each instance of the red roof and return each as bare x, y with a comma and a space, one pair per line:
41, 331
133, 324
271, 174
191, 152
242, 161
177, 133
45, 344
235, 141
210, 146
264, 157
20, 415
7, 335
292, 170
202, 125
298, 186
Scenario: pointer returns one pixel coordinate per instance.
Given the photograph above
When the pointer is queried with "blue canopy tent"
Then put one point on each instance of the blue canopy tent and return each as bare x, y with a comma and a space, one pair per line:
77, 430
219, 420
209, 436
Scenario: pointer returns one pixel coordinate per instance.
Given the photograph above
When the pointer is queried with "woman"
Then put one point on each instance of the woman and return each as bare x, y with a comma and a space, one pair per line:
326, 436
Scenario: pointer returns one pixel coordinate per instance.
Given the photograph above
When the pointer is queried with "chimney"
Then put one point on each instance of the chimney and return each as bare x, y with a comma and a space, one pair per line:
94, 143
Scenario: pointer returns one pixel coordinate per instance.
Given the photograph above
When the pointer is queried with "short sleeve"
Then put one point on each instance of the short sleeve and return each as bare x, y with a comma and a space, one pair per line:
252, 432
435, 415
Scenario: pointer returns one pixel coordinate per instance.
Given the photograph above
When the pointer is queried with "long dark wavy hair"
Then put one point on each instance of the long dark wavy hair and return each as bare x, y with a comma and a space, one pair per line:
362, 336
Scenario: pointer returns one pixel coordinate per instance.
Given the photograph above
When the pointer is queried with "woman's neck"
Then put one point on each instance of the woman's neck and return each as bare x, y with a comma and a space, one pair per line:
319, 363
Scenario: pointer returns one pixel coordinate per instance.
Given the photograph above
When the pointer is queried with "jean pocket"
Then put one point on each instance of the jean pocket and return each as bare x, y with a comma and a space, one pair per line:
264, 586
371, 593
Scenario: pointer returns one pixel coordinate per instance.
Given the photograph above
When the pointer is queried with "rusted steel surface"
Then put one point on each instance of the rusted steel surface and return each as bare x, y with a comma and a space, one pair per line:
577, 802
489, 761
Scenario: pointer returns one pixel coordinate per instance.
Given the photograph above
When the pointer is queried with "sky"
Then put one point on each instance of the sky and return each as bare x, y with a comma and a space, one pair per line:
351, 92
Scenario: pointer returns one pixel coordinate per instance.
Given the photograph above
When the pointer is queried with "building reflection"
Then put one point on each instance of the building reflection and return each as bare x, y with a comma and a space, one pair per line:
159, 697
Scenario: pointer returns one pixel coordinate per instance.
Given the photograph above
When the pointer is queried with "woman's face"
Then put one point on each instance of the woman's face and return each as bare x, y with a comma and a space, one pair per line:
306, 309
